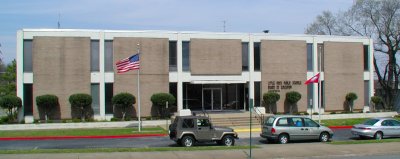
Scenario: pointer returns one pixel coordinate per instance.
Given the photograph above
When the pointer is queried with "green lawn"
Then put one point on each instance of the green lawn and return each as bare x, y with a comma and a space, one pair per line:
105, 150
81, 132
345, 122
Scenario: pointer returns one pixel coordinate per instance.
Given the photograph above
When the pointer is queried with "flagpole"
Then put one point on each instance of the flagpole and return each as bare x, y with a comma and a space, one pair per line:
319, 89
138, 90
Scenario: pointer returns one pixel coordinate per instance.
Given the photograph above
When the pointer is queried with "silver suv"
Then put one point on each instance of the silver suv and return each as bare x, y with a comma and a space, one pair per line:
286, 128
186, 130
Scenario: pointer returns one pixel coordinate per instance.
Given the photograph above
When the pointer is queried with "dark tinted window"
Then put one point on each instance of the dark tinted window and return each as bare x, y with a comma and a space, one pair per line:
366, 58
187, 123
203, 123
27, 55
310, 123
186, 56
28, 98
309, 57
172, 56
108, 58
269, 121
94, 55
395, 122
257, 57
370, 122
109, 92
245, 56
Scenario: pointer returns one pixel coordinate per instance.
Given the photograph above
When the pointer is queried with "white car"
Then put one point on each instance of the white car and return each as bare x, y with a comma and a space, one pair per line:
377, 128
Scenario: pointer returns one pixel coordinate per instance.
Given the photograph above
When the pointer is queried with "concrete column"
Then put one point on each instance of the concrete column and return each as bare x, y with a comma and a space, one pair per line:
102, 86
179, 72
371, 69
251, 68
20, 71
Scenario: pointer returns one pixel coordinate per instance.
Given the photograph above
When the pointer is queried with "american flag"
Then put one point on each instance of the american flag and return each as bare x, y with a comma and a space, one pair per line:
130, 63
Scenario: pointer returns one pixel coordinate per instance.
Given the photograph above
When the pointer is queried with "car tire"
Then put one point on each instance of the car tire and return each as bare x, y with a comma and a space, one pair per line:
228, 140
187, 141
283, 138
324, 137
378, 135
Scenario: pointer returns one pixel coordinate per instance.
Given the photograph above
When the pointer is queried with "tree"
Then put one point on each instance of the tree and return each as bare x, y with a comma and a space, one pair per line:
46, 104
350, 97
292, 98
81, 106
379, 20
270, 100
123, 102
7, 80
376, 100
160, 100
324, 24
11, 104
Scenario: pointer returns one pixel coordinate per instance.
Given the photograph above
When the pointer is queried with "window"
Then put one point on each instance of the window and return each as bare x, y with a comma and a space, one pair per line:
108, 98
395, 122
94, 55
257, 57
203, 123
27, 55
297, 122
322, 93
185, 56
172, 56
371, 122
108, 58
310, 95
28, 98
366, 58
95, 92
283, 122
269, 121
257, 93
366, 92
321, 54
310, 123
310, 57
188, 123
245, 56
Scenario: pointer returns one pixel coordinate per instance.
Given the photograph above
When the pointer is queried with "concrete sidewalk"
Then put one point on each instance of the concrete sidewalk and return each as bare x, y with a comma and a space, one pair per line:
295, 150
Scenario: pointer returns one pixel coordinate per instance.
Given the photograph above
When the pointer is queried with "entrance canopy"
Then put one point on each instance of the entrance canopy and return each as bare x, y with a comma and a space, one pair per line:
216, 81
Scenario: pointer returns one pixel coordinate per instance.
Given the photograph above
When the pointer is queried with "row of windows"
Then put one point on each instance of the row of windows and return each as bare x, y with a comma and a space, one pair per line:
108, 53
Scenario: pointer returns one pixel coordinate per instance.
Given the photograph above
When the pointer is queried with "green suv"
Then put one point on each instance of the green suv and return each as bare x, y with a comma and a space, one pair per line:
187, 130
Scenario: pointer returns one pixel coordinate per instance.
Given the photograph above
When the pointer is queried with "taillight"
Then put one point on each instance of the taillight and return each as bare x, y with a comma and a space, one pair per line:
273, 131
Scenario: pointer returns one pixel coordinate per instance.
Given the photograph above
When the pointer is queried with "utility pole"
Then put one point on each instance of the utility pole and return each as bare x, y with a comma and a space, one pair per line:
224, 26
58, 22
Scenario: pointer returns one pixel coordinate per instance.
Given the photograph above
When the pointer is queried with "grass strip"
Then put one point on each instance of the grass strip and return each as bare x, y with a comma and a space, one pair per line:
370, 141
81, 132
343, 122
106, 150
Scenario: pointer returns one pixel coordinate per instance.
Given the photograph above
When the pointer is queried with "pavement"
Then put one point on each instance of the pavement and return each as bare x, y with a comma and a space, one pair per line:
294, 150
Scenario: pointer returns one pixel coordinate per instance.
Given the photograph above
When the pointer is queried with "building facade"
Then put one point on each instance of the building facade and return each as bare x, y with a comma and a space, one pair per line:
204, 71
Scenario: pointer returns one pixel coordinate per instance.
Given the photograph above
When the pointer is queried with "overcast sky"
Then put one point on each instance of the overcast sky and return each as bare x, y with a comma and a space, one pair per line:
249, 16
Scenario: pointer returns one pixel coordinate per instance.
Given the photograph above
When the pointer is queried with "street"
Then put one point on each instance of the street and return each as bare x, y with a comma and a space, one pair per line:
340, 134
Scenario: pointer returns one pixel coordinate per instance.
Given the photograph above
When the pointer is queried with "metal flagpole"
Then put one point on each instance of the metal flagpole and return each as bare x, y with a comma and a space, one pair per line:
319, 88
138, 89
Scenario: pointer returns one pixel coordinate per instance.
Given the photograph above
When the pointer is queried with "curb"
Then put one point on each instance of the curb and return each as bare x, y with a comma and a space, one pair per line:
80, 137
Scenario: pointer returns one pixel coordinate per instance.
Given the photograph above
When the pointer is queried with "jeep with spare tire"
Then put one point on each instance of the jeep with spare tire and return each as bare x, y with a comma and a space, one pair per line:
188, 130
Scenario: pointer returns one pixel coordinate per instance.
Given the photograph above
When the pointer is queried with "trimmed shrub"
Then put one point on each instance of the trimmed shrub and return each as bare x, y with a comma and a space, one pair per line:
11, 104
350, 97
123, 102
81, 106
159, 100
46, 105
270, 100
292, 98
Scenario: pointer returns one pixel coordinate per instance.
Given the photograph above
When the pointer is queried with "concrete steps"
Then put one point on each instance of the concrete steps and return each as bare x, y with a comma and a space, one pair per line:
235, 121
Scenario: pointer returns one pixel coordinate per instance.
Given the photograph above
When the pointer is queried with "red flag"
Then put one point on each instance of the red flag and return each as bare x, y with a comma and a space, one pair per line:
313, 79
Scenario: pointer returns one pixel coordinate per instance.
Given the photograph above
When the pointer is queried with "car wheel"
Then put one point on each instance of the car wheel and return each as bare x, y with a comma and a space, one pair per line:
228, 140
283, 139
187, 141
324, 137
378, 135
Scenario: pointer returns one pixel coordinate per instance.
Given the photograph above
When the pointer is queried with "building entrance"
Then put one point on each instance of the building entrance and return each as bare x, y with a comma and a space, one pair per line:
212, 98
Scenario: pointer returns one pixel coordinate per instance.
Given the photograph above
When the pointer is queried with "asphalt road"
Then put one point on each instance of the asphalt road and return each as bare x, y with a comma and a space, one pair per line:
339, 134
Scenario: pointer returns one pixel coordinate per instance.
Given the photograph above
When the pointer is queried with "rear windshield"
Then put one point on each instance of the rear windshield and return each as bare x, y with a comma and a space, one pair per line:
269, 121
370, 122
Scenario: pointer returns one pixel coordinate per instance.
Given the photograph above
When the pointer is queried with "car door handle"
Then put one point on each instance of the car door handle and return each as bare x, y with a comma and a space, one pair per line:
303, 129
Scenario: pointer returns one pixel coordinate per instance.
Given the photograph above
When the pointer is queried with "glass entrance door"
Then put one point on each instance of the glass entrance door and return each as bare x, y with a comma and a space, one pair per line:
212, 99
